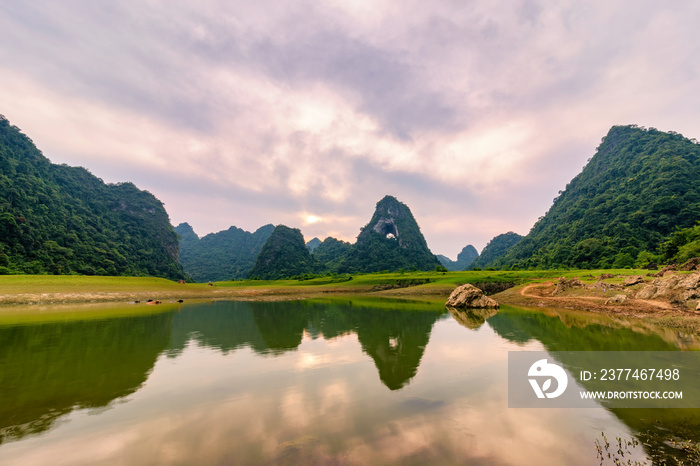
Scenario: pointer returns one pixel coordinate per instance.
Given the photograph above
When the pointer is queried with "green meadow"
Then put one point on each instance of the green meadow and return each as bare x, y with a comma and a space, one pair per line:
35, 289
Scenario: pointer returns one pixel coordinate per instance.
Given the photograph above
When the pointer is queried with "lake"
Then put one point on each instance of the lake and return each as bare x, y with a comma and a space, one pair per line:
335, 381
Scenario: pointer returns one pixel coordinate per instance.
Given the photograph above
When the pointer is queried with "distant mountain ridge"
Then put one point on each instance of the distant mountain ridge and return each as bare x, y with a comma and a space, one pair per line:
226, 255
464, 259
313, 244
390, 241
58, 219
495, 249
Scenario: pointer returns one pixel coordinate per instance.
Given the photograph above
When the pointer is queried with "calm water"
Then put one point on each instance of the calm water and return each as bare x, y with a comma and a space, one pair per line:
307, 382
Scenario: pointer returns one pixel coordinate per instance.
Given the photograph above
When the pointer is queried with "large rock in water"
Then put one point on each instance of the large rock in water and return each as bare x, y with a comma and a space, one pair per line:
468, 296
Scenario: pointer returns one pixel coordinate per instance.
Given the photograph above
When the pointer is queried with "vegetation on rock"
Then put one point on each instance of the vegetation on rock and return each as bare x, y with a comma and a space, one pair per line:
56, 219
637, 189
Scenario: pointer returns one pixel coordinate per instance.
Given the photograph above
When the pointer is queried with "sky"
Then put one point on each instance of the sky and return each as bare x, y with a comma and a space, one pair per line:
306, 113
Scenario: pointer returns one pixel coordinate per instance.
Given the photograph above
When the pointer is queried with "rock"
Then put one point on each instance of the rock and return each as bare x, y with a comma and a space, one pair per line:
468, 296
604, 276
617, 299
689, 282
665, 286
689, 286
668, 268
565, 284
607, 286
697, 308
692, 264
633, 280
647, 292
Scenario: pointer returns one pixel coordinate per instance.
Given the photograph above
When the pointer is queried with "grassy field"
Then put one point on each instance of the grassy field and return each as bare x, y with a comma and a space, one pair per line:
57, 295
45, 289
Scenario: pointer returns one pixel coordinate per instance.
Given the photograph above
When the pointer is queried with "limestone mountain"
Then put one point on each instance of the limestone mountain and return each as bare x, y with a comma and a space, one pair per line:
392, 241
495, 249
283, 255
226, 255
58, 219
464, 259
640, 186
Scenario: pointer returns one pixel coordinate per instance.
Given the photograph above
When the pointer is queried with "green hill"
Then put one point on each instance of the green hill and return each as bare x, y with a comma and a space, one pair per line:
464, 259
495, 249
390, 241
283, 255
58, 219
329, 252
640, 186
226, 255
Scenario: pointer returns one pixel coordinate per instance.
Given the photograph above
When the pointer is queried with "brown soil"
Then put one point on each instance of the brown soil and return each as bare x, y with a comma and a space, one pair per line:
540, 295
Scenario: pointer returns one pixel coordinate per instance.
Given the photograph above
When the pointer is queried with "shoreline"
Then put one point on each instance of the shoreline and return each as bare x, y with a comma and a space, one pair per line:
533, 289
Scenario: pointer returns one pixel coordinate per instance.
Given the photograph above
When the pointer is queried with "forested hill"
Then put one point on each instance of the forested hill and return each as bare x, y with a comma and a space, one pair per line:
495, 249
226, 255
59, 219
283, 255
639, 187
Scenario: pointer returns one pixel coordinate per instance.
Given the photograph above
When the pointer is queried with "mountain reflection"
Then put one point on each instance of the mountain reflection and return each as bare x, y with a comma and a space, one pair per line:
50, 369
394, 338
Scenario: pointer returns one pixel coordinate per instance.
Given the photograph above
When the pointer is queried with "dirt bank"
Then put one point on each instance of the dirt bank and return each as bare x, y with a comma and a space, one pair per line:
594, 299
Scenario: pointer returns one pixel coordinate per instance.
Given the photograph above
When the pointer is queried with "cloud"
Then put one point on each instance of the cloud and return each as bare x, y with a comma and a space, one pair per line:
324, 107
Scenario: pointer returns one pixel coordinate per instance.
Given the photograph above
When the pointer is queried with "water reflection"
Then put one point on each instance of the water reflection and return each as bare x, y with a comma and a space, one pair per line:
50, 369
472, 318
291, 383
47, 370
657, 429
395, 339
